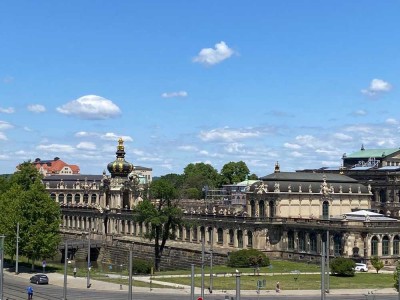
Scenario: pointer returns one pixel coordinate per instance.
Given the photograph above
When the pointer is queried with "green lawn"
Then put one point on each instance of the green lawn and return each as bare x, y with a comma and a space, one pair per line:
304, 281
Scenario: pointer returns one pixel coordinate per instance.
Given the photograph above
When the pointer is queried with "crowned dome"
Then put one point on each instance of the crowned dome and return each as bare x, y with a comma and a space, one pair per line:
120, 167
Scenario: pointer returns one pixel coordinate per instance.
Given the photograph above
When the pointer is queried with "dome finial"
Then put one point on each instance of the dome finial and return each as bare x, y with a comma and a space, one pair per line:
277, 168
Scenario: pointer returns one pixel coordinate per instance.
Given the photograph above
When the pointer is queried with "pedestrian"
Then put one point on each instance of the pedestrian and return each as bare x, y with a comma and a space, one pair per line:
75, 272
278, 287
29, 290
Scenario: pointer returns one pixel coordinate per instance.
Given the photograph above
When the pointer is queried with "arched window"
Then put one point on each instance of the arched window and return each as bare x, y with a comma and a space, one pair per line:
210, 235
271, 209
382, 196
69, 198
93, 199
290, 237
53, 196
261, 208
202, 233
231, 236
61, 198
252, 208
325, 210
374, 246
385, 245
396, 245
77, 198
240, 238
86, 198
249, 239
220, 234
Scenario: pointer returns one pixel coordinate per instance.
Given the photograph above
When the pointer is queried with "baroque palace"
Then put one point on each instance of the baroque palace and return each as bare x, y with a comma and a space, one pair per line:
285, 215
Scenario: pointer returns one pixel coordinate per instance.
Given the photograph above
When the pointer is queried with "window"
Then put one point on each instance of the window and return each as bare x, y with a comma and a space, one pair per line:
249, 239
325, 210
271, 209
187, 234
396, 245
69, 198
220, 234
302, 242
374, 246
313, 242
195, 233
77, 198
93, 199
85, 198
252, 208
385, 245
261, 208
337, 245
61, 198
240, 238
231, 236
290, 240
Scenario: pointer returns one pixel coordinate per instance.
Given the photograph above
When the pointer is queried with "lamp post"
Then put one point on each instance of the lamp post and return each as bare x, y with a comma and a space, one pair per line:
130, 274
88, 262
202, 267
237, 285
65, 271
211, 261
17, 252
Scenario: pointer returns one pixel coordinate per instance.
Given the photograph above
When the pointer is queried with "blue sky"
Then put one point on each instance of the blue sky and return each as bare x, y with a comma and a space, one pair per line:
299, 82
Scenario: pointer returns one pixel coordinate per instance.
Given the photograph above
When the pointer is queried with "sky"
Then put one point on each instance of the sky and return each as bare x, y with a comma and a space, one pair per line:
296, 82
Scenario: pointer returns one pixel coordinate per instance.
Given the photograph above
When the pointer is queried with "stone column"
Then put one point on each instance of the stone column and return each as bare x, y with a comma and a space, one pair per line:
235, 240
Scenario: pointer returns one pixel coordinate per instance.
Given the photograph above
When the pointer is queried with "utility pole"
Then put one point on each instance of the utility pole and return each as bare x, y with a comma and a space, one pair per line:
191, 285
88, 262
65, 270
211, 261
202, 266
130, 275
323, 272
327, 261
237, 286
17, 252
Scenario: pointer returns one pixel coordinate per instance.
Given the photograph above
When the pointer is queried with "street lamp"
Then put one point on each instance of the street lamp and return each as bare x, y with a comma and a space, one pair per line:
237, 285
88, 284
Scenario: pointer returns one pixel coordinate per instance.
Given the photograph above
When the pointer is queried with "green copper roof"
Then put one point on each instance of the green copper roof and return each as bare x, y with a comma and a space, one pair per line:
367, 153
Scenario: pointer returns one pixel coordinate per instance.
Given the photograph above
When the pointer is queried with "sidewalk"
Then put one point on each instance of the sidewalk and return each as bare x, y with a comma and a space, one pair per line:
171, 288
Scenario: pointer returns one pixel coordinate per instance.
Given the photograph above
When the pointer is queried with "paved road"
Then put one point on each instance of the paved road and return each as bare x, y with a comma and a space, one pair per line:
15, 286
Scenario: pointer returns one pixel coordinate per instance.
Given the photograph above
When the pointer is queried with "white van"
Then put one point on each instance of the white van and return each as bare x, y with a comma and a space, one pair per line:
361, 267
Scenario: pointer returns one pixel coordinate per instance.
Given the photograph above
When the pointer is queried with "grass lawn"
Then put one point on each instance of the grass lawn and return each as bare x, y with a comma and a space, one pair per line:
304, 281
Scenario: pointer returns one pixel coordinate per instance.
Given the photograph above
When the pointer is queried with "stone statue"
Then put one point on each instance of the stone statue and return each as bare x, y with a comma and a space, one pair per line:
369, 189
310, 188
276, 187
340, 189
359, 189
289, 188
300, 191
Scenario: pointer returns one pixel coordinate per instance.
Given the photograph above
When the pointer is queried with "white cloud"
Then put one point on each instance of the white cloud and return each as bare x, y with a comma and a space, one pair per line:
228, 135
174, 94
5, 125
110, 136
187, 148
392, 121
377, 86
342, 137
296, 154
3, 137
235, 148
36, 108
56, 148
90, 107
291, 146
8, 110
84, 134
360, 112
210, 56
86, 146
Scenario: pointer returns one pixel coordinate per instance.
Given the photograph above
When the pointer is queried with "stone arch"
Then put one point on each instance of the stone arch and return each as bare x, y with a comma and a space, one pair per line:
374, 246
261, 208
385, 246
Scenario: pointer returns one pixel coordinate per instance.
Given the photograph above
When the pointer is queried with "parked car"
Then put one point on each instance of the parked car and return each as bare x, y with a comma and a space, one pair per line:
39, 279
361, 267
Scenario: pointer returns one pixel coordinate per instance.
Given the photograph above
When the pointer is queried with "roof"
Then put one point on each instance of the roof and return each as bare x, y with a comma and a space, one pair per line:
365, 216
367, 153
308, 177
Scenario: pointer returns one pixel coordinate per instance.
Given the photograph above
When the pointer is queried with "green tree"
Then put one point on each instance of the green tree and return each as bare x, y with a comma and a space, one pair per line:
199, 175
234, 172
377, 263
26, 202
162, 214
396, 277
342, 266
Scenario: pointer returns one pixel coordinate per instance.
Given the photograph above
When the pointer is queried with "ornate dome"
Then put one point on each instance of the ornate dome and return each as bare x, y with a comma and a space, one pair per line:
120, 167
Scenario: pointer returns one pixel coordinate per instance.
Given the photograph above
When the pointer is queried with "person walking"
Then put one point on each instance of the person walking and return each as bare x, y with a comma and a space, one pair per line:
278, 287
75, 272
29, 290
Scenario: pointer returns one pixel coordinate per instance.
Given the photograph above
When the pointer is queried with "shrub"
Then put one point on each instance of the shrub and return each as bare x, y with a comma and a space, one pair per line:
377, 263
141, 266
248, 258
341, 266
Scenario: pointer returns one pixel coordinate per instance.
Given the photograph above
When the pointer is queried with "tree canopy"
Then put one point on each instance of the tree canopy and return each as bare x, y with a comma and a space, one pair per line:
234, 172
162, 215
25, 201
